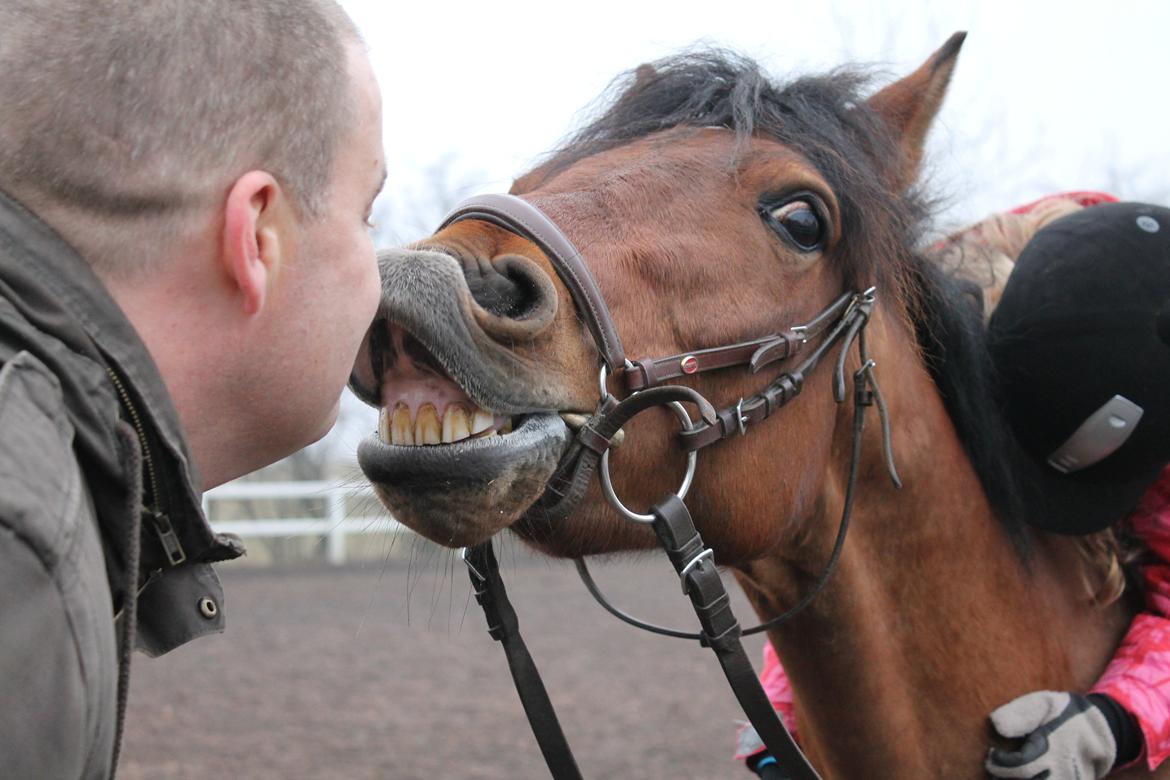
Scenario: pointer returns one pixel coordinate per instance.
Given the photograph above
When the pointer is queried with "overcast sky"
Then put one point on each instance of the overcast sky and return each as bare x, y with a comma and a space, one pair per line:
1047, 95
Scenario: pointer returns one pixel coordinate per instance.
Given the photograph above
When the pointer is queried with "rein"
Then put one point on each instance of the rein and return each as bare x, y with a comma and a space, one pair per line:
841, 323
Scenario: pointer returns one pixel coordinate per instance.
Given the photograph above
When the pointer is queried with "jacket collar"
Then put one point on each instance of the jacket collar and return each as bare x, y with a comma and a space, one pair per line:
93, 325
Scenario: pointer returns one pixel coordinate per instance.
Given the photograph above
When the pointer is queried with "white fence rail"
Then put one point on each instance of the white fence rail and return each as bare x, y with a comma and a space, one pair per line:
334, 526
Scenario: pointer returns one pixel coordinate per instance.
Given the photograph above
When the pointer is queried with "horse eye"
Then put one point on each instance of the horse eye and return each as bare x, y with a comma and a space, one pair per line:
801, 222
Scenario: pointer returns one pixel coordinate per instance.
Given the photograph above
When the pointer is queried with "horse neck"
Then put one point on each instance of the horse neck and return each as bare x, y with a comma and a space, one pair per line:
932, 616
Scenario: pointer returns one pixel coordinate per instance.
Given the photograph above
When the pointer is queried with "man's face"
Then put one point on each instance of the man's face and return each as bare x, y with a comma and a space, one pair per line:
330, 290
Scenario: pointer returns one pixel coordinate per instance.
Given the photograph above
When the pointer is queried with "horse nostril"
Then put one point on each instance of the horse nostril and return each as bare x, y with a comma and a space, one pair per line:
502, 294
513, 288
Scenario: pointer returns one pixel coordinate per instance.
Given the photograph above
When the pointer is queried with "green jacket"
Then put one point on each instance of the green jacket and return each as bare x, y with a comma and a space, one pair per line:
94, 473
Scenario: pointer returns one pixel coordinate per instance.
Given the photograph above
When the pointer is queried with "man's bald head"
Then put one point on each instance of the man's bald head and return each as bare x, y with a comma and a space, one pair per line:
123, 119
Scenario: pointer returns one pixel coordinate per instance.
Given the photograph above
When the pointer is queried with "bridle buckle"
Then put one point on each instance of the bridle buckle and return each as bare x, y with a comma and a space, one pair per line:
463, 553
706, 555
740, 418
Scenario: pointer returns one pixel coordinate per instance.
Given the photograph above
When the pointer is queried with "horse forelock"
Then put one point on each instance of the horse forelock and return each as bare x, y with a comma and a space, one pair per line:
823, 117
826, 119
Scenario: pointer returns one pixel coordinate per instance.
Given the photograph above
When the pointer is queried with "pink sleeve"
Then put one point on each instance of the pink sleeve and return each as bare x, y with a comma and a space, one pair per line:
1138, 677
779, 691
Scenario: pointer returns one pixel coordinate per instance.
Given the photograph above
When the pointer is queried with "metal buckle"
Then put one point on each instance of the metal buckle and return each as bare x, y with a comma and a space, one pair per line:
688, 478
740, 419
865, 298
470, 566
706, 555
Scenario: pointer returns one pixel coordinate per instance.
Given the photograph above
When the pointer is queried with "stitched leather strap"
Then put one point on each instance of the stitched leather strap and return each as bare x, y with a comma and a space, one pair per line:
522, 218
755, 354
748, 412
641, 374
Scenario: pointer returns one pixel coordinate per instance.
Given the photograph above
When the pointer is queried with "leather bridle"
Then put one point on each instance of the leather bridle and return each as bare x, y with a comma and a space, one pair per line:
841, 323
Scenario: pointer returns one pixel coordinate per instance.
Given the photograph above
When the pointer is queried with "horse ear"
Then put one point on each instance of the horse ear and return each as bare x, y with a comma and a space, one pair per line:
909, 106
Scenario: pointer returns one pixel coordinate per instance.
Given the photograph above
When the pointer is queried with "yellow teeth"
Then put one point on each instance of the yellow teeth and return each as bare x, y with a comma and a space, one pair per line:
427, 429
384, 424
401, 430
576, 421
399, 427
455, 424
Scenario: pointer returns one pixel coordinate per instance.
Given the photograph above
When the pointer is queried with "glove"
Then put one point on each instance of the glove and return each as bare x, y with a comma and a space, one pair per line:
1066, 737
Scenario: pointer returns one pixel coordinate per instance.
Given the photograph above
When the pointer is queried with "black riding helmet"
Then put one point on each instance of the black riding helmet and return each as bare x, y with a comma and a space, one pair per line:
1081, 342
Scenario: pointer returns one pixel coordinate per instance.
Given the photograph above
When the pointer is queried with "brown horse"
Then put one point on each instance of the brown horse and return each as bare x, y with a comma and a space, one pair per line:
714, 206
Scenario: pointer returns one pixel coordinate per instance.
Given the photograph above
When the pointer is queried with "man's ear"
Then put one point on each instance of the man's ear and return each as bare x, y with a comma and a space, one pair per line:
910, 105
252, 232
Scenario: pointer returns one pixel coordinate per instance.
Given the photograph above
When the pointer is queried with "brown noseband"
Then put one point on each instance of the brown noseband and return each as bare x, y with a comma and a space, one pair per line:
524, 219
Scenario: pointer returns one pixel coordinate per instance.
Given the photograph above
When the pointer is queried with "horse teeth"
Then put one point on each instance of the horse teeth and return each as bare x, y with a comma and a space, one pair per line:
427, 428
481, 421
401, 429
455, 424
384, 425
574, 420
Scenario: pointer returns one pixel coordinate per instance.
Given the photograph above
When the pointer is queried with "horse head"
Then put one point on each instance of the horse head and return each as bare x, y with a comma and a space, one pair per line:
712, 207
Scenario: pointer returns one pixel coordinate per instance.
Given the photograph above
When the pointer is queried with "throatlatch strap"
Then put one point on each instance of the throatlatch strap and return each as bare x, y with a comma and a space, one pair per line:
695, 565
505, 629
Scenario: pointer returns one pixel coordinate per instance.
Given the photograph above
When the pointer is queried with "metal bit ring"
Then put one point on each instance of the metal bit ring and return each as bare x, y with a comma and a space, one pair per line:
688, 478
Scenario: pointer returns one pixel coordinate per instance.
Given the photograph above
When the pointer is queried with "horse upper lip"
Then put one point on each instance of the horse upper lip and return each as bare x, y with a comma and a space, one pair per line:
425, 293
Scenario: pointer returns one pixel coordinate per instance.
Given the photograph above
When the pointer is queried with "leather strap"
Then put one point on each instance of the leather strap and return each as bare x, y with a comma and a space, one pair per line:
522, 218
866, 393
571, 479
721, 631
748, 412
756, 354
641, 374
504, 627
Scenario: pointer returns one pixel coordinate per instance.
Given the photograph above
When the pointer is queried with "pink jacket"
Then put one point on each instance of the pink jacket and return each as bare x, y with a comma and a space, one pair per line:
1138, 677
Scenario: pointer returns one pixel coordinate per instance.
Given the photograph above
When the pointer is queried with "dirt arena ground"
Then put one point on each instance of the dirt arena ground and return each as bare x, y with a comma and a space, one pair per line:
385, 671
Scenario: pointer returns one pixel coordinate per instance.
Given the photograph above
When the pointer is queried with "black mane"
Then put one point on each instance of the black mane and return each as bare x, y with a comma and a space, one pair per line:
826, 118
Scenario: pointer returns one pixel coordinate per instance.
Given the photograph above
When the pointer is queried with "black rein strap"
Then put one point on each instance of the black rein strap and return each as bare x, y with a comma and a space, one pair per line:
721, 632
504, 627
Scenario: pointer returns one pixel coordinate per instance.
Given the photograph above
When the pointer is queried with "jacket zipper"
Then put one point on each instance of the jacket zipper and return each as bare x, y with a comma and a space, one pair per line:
159, 521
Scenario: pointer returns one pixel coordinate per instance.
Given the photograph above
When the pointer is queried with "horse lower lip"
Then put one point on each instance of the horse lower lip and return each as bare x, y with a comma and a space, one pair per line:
461, 494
